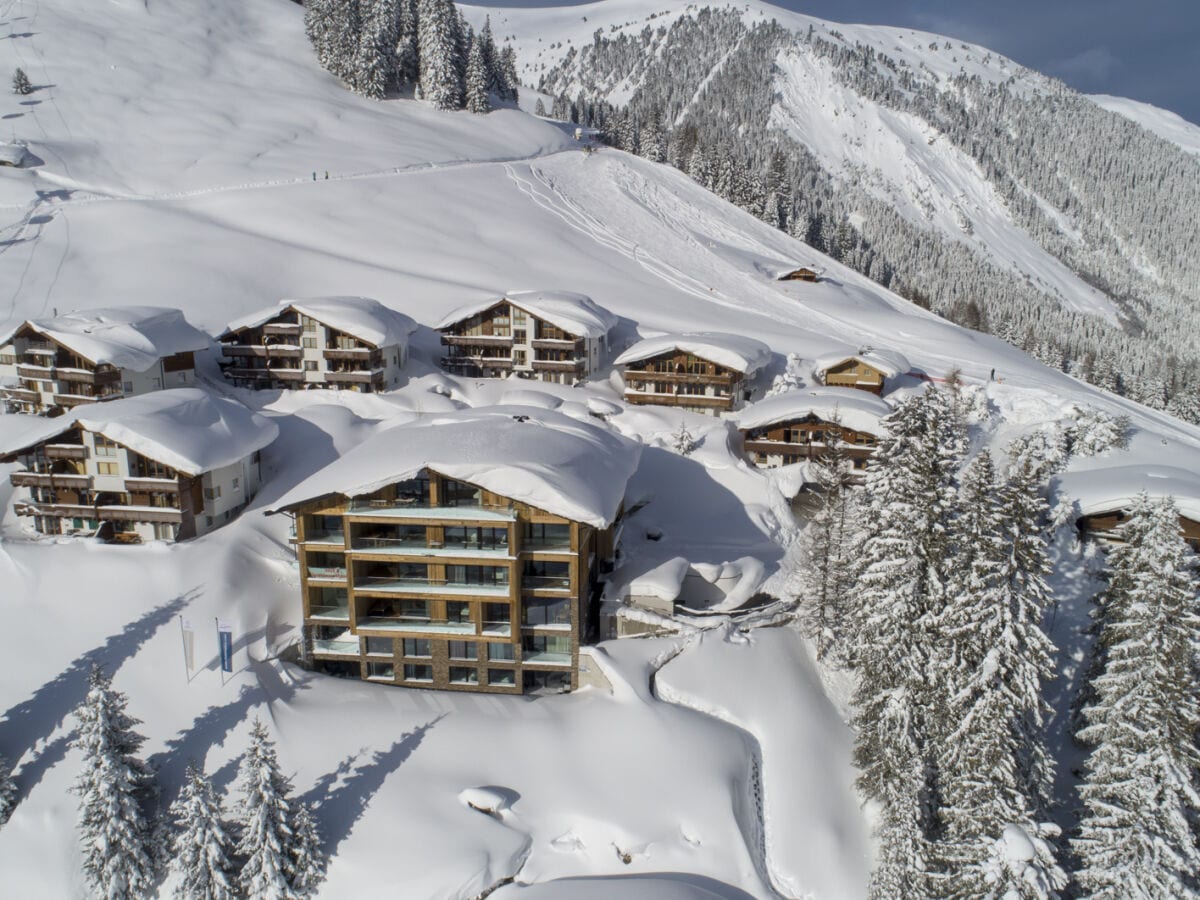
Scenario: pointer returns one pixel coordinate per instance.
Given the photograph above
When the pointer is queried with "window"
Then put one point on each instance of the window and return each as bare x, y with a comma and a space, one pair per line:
519, 357
236, 482
547, 649
547, 682
381, 671
108, 468
418, 673
105, 447
475, 538
7, 359
463, 675
310, 343
458, 611
212, 493
208, 521
417, 647
501, 652
380, 646
550, 574
462, 649
310, 365
496, 576
308, 323
547, 611
164, 532
502, 677
542, 536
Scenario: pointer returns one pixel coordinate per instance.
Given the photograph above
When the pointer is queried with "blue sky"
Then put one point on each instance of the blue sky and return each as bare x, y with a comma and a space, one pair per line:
1148, 51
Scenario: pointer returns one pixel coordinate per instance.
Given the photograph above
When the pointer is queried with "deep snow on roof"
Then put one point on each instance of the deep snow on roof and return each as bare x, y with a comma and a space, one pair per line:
890, 362
733, 351
854, 409
1106, 490
13, 154
128, 337
360, 317
577, 314
551, 461
185, 428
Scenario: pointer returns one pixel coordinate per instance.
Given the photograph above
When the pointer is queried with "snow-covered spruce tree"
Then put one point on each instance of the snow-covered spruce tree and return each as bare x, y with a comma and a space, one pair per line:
8, 791
682, 441
437, 50
1022, 866
201, 847
307, 864
267, 841
114, 788
997, 660
827, 548
375, 62
491, 59
477, 87
408, 68
539, 108
20, 82
1140, 795
508, 73
898, 599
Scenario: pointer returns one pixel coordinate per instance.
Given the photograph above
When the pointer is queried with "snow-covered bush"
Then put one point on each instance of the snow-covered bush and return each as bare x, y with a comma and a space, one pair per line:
1092, 432
20, 83
202, 847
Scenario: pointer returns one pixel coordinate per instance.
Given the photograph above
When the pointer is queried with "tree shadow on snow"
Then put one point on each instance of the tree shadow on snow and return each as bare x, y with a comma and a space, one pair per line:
339, 808
31, 722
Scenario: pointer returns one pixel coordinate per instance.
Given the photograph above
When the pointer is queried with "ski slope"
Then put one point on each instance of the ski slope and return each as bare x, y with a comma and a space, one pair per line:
177, 145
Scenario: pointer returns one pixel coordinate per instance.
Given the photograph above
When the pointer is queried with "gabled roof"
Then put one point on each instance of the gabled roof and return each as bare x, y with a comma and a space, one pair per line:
128, 337
733, 351
854, 409
576, 314
360, 317
1102, 490
186, 428
556, 463
781, 272
889, 362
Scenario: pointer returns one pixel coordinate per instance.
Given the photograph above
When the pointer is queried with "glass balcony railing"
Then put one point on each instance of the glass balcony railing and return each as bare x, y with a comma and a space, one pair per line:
421, 508
327, 573
325, 537
332, 613
498, 629
340, 646
546, 658
417, 624
406, 547
546, 582
425, 586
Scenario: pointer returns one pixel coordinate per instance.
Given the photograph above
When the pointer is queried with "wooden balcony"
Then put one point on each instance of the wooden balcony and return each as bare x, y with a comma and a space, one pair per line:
20, 395
49, 480
470, 364
363, 353
551, 344
693, 400
641, 376
151, 514
558, 365
152, 485
243, 350
70, 400
364, 377
281, 328
476, 340
104, 377
65, 451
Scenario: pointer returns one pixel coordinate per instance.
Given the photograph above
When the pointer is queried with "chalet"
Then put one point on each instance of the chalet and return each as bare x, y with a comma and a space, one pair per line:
351, 343
51, 365
803, 273
169, 465
552, 336
796, 426
707, 373
867, 370
1105, 496
461, 551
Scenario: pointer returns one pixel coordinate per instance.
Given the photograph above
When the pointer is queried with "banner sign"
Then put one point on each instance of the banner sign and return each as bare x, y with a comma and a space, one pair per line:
225, 641
189, 642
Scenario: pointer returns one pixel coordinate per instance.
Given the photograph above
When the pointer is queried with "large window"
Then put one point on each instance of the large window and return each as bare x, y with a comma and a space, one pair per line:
379, 646
381, 671
553, 649
458, 611
547, 611
548, 574
480, 575
502, 677
458, 493
475, 538
547, 682
501, 652
418, 673
462, 650
464, 675
547, 536
417, 647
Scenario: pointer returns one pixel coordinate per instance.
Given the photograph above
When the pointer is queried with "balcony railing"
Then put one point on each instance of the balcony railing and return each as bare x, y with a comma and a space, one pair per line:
331, 613
425, 586
498, 629
337, 646
416, 624
404, 547
327, 573
326, 537
152, 485
546, 582
545, 658
66, 451
46, 479
422, 509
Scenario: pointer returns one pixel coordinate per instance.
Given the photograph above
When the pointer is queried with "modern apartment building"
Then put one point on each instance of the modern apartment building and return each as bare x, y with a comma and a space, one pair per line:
169, 465
461, 552
708, 373
51, 365
553, 336
350, 343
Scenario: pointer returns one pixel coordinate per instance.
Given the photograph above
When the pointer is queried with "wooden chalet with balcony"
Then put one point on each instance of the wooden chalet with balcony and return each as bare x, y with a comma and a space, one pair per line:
810, 274
346, 343
428, 578
800, 425
553, 336
48, 366
707, 373
1106, 496
167, 466
867, 370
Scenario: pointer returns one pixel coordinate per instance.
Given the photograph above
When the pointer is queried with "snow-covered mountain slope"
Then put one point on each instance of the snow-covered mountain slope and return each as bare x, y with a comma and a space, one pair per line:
1166, 124
183, 177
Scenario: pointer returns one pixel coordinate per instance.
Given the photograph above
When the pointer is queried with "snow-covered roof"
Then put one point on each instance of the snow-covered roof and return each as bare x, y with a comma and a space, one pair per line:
553, 462
185, 428
1105, 490
733, 351
890, 362
854, 409
360, 317
12, 154
128, 337
576, 314
779, 271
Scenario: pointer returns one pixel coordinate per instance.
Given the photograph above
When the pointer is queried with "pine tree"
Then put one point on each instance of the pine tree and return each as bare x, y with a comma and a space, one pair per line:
899, 597
539, 108
20, 82
114, 788
375, 64
8, 791
201, 846
682, 441
1140, 798
493, 77
508, 73
477, 88
267, 841
307, 862
1021, 866
408, 68
437, 54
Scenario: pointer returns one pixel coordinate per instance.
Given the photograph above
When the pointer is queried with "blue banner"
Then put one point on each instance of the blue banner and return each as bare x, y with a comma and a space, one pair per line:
225, 639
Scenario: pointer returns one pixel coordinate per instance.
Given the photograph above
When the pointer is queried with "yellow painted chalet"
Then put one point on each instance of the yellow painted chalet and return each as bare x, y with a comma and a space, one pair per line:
1105, 497
167, 466
868, 370
708, 373
349, 343
554, 336
461, 552
797, 426
51, 365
